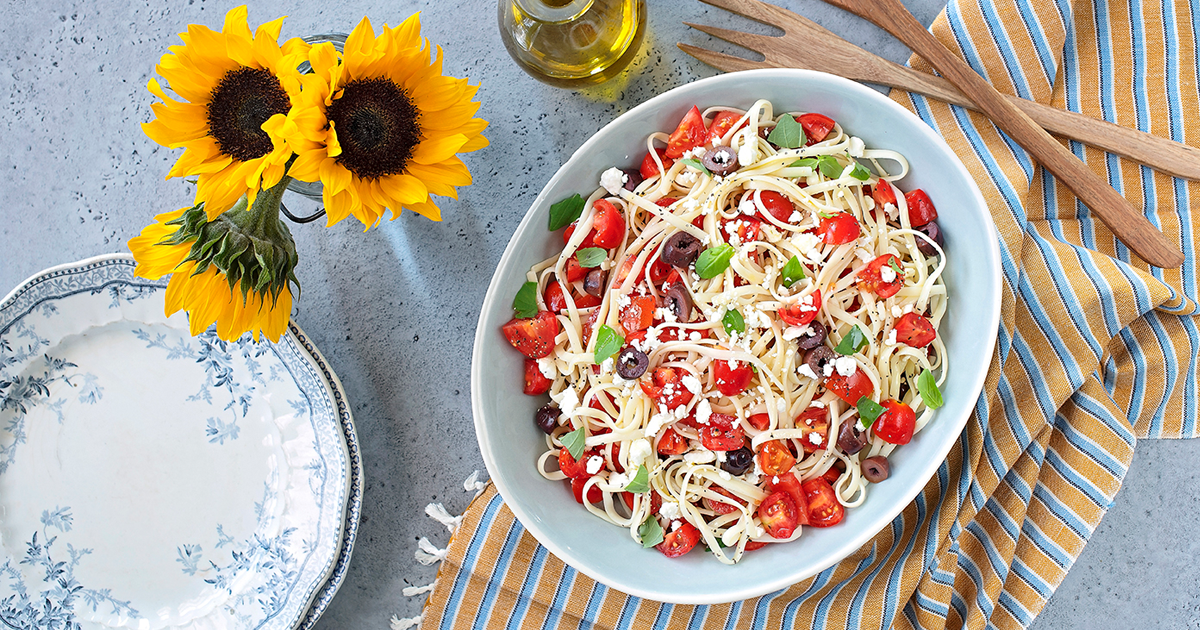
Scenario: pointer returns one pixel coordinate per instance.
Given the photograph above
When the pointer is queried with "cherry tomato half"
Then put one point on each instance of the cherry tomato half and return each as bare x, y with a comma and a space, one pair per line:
671, 443
690, 134
839, 229
915, 330
870, 277
896, 423
588, 241
760, 421
920, 208
555, 300
572, 467
722, 433
747, 228
638, 314
721, 507
814, 421
816, 127
575, 271
883, 193
608, 225
594, 494
788, 483
649, 167
802, 311
533, 336
775, 458
732, 377
721, 125
665, 387
823, 507
850, 388
779, 206
679, 542
779, 515
536, 383
655, 500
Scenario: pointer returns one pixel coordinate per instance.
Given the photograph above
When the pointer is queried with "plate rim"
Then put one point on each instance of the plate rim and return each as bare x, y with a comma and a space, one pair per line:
990, 249
334, 574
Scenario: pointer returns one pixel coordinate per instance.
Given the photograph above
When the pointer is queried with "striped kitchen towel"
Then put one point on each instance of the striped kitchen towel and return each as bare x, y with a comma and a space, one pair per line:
1095, 350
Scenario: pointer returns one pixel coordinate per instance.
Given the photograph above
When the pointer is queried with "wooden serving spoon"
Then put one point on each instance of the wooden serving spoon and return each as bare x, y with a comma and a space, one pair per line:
1127, 223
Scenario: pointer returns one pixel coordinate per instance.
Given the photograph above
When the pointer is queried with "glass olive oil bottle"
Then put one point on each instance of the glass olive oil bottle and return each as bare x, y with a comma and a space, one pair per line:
572, 43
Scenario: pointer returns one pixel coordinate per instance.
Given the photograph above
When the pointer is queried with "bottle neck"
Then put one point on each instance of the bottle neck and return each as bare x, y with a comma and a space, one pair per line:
553, 11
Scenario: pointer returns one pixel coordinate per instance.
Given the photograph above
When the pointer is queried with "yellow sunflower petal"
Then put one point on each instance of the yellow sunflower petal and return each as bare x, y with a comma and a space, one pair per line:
202, 156
239, 44
428, 210
307, 166
337, 206
403, 189
435, 150
265, 45
474, 144
408, 33
359, 48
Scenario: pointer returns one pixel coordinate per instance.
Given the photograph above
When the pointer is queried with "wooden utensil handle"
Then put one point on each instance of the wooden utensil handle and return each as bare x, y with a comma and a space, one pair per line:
1128, 224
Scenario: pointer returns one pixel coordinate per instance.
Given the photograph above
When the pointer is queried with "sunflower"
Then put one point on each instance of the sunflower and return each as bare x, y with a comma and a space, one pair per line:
380, 129
237, 90
222, 272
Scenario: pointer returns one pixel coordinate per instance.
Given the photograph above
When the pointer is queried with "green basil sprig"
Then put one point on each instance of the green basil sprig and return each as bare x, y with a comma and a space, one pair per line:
927, 387
714, 260
787, 133
525, 302
852, 342
565, 212
608, 342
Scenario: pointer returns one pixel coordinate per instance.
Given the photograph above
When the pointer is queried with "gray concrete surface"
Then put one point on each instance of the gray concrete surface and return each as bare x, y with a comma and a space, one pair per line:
394, 309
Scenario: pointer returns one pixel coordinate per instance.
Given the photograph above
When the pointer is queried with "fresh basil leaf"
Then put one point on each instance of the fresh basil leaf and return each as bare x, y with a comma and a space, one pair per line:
608, 341
714, 260
696, 164
793, 272
809, 162
927, 387
591, 256
525, 302
830, 167
868, 410
565, 212
860, 172
895, 266
640, 482
573, 442
734, 322
851, 342
650, 532
826, 215
787, 134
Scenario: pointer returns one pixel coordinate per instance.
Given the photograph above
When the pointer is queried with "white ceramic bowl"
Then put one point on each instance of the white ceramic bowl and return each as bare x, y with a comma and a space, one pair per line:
504, 417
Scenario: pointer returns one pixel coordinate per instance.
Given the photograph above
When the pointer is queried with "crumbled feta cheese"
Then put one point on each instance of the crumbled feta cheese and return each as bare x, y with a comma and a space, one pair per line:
746, 206
546, 367
676, 525
828, 369
702, 456
680, 411
794, 332
796, 217
896, 312
697, 152
908, 308
618, 480
856, 147
861, 426
892, 211
606, 366
568, 401
807, 243
780, 405
623, 300
814, 438
721, 457
639, 452
695, 336
887, 274
807, 371
703, 411
748, 154
669, 510
687, 178
891, 338
613, 180
818, 404
691, 383
690, 204
864, 255
594, 464
652, 427
846, 366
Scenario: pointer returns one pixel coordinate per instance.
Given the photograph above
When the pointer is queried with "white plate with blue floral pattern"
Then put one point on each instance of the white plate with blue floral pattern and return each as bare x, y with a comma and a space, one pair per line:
150, 479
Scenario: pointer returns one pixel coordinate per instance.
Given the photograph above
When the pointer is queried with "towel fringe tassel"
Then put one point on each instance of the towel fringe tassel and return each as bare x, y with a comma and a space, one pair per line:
406, 624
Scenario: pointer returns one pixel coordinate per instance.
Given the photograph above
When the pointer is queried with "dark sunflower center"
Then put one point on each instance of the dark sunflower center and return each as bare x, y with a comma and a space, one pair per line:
244, 100
377, 127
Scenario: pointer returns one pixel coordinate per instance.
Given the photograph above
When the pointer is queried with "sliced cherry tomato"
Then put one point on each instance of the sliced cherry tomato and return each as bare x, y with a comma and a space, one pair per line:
665, 201
814, 421
536, 383
831, 475
850, 388
775, 458
721, 125
638, 314
650, 168
920, 208
585, 300
816, 127
589, 324
751, 545
896, 423
779, 206
747, 228
722, 433
883, 193
682, 540
915, 330
760, 421
588, 241
732, 377
555, 300
608, 225
594, 494
575, 271
721, 507
658, 272
655, 500
839, 229
572, 467
671, 443
779, 515
690, 134
534, 336
823, 507
615, 456
870, 277
802, 311
665, 387
788, 483
671, 279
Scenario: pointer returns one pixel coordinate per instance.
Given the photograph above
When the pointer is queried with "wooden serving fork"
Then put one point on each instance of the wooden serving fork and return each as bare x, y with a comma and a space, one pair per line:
1128, 224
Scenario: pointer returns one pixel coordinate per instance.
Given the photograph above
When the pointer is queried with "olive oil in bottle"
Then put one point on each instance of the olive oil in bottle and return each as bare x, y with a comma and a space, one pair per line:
572, 43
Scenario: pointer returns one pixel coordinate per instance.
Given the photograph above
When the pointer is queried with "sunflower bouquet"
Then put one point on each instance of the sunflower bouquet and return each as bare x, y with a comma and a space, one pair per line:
377, 124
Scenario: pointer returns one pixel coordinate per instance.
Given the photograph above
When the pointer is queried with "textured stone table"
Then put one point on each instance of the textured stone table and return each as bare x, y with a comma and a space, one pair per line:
394, 309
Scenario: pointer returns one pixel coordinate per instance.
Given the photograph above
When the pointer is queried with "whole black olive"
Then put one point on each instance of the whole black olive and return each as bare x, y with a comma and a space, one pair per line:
721, 160
817, 358
850, 439
546, 418
875, 469
593, 282
933, 231
633, 178
632, 363
739, 461
679, 302
680, 249
808, 342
